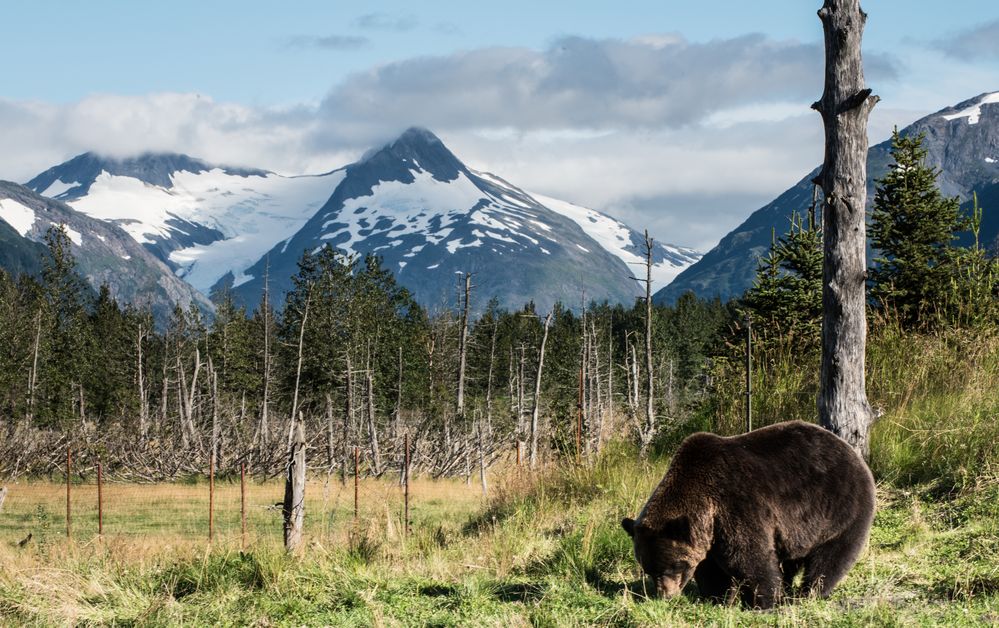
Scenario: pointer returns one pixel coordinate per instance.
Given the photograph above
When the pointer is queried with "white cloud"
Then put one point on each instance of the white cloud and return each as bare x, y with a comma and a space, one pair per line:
685, 138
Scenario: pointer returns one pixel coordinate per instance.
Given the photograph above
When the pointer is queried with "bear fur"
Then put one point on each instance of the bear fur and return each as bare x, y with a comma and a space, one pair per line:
743, 515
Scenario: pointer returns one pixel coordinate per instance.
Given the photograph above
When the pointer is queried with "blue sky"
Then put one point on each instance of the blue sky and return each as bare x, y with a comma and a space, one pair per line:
636, 108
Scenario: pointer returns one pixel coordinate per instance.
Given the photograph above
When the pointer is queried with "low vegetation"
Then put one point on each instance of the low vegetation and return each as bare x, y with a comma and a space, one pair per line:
547, 548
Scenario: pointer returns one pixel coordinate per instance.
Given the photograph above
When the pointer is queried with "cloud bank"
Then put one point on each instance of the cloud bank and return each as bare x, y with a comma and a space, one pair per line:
655, 129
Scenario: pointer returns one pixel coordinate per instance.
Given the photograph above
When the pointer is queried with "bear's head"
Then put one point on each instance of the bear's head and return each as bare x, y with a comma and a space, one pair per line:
667, 553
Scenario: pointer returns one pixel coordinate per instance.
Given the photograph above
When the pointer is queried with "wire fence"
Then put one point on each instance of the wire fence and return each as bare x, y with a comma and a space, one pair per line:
229, 506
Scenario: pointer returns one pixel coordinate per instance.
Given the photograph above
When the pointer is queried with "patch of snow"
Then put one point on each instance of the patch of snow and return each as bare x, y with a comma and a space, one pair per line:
402, 265
407, 209
126, 257
100, 237
545, 251
432, 267
75, 236
974, 112
614, 237
251, 212
58, 188
18, 216
989, 160
583, 248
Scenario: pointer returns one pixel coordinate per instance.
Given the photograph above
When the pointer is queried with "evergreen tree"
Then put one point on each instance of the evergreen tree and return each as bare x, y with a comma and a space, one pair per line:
913, 227
786, 297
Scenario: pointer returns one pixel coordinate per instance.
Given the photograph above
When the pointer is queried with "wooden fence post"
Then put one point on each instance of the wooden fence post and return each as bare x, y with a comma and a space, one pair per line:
242, 503
356, 480
294, 491
69, 510
100, 500
405, 526
211, 498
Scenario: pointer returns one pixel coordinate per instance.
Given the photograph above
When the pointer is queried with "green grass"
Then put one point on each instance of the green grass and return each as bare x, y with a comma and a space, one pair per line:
546, 549
545, 552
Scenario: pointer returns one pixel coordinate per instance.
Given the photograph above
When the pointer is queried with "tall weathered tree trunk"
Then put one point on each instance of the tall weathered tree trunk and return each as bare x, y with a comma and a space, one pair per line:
650, 414
141, 381
463, 351
376, 458
298, 367
397, 428
845, 106
348, 418
33, 376
535, 414
294, 489
265, 305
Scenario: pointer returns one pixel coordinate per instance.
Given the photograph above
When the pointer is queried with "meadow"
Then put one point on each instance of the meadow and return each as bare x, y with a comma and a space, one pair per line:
544, 548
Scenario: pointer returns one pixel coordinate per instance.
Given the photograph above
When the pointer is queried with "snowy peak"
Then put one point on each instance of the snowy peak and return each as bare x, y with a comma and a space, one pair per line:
415, 204
971, 110
73, 179
416, 150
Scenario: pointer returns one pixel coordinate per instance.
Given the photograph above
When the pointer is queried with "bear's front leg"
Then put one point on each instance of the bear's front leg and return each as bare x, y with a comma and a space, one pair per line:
760, 578
712, 581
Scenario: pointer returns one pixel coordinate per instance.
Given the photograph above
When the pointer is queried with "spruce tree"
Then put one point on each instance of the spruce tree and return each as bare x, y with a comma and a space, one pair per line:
913, 227
786, 297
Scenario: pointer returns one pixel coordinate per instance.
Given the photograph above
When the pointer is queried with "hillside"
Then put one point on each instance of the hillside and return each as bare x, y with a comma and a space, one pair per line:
963, 144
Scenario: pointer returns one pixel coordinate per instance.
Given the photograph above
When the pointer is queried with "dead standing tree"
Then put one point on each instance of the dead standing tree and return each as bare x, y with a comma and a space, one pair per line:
537, 392
647, 428
845, 106
294, 489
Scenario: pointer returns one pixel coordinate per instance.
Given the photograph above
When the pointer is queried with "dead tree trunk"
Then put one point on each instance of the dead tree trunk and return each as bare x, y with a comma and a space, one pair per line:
348, 419
650, 414
329, 433
845, 106
294, 489
265, 310
376, 458
298, 367
141, 381
33, 376
535, 414
463, 351
397, 429
520, 392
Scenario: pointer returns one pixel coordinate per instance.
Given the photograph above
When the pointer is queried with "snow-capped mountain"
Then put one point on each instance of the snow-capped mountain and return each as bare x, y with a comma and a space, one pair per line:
412, 202
962, 143
205, 221
429, 216
105, 253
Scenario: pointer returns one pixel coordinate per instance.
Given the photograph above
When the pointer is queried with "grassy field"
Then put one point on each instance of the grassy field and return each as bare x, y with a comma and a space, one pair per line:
544, 549
547, 551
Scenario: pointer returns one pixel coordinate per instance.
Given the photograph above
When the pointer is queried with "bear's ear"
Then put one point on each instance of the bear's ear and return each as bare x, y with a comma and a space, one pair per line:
629, 526
677, 529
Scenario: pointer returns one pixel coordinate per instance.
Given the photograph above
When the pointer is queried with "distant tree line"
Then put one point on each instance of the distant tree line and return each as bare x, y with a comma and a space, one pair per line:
351, 354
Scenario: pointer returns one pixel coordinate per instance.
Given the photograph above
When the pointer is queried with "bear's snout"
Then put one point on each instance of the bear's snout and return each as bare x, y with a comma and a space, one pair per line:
669, 586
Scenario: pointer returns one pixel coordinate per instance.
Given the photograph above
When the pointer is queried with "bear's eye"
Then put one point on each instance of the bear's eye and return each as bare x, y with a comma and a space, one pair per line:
678, 567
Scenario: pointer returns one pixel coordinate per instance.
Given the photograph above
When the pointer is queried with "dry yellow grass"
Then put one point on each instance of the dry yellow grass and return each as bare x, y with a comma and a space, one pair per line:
170, 514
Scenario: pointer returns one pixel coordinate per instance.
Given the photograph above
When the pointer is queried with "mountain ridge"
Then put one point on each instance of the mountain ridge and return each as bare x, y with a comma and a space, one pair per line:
963, 144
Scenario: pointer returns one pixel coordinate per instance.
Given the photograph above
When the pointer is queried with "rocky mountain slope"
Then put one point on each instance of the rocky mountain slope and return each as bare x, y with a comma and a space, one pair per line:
963, 144
105, 253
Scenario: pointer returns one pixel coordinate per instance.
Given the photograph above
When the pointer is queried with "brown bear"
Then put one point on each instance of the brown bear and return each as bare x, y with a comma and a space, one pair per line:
743, 515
